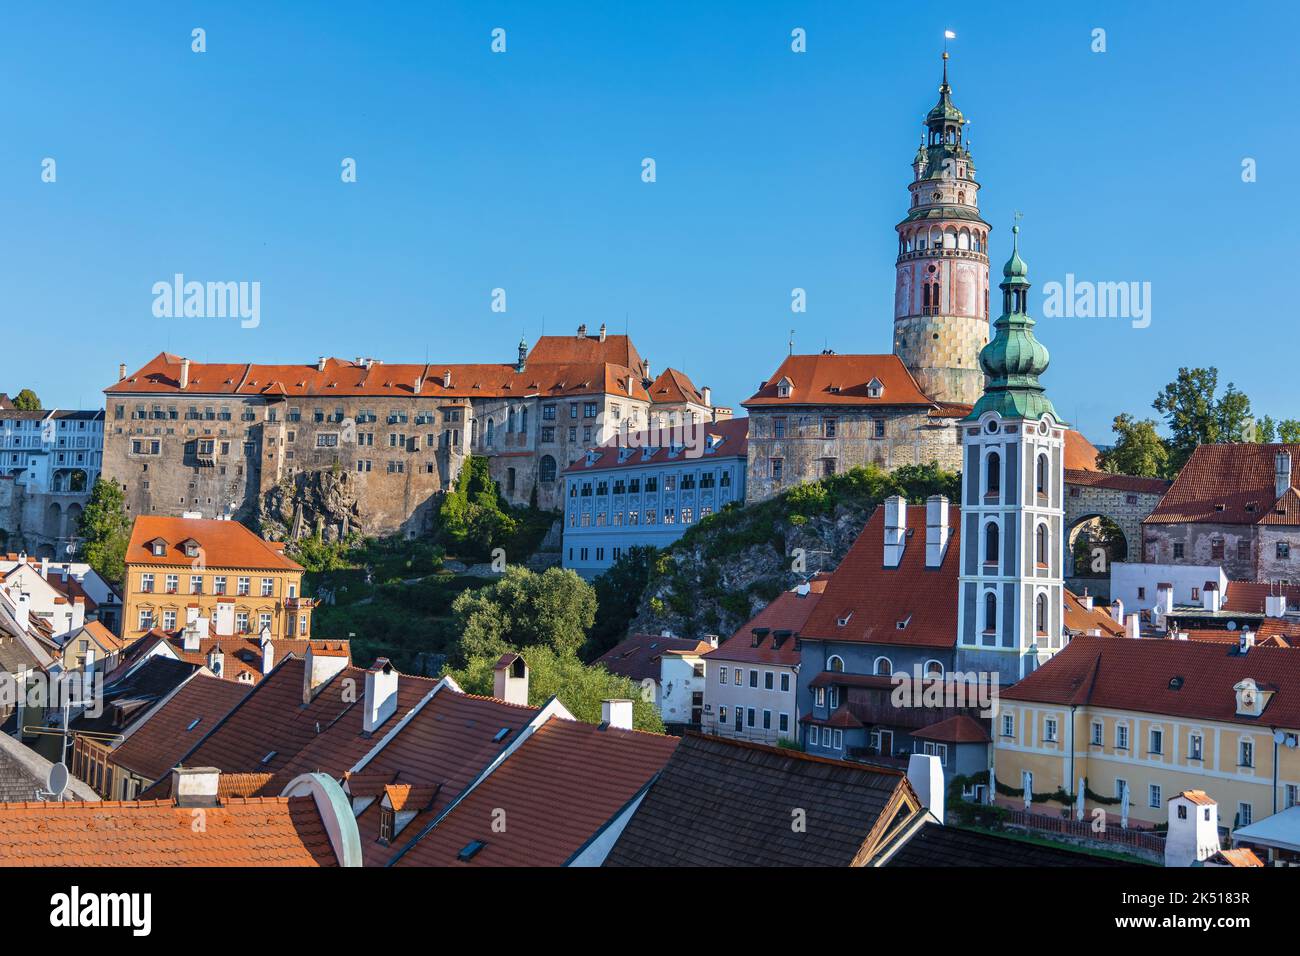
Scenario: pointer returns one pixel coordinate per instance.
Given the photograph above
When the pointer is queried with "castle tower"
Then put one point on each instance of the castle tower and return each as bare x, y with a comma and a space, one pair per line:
1010, 597
941, 298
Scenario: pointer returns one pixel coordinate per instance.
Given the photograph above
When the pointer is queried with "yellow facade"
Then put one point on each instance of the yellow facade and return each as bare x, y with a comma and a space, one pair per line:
271, 596
1240, 778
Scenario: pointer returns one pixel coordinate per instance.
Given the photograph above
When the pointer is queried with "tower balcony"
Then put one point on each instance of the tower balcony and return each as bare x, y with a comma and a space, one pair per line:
943, 253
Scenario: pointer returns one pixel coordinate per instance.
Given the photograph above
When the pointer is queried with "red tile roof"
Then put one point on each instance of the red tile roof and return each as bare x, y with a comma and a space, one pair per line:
557, 790
223, 544
788, 612
1243, 856
638, 656
674, 387
157, 744
1080, 454
1080, 620
1248, 597
830, 379
242, 652
1135, 675
733, 433
1227, 484
156, 833
1127, 483
876, 598
961, 729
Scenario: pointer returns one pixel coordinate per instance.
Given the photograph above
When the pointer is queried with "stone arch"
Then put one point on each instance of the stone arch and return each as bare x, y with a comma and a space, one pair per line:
54, 520
1085, 535
73, 518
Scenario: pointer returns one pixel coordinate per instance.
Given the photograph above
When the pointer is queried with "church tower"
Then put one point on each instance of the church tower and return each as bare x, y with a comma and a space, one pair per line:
941, 298
1011, 591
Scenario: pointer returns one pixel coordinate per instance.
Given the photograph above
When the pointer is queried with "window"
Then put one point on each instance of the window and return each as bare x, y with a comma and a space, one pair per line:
1194, 745
777, 466
826, 736
1216, 549
749, 717
196, 584
1040, 614
1040, 545
1157, 743
785, 683
1245, 814
1178, 550
146, 619
769, 680
884, 666
219, 584
784, 723
1008, 725
990, 612
330, 440
778, 428
753, 678
993, 474
146, 584
828, 427
877, 428
1246, 753
722, 674
1040, 477
838, 739
1291, 796
241, 622
991, 544
386, 817
1097, 732
268, 587
241, 587
767, 720
1154, 796
1283, 551
172, 583
738, 676
1121, 737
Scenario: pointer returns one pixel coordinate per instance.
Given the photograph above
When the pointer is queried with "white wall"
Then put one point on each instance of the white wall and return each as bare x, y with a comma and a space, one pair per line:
1125, 579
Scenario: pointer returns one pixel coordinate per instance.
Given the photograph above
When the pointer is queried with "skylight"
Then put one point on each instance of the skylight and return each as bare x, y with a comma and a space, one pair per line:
194, 723
470, 850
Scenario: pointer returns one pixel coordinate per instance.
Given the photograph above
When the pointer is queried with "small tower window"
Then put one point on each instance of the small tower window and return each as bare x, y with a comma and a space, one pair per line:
991, 534
990, 612
1040, 614
1040, 545
993, 474
1042, 475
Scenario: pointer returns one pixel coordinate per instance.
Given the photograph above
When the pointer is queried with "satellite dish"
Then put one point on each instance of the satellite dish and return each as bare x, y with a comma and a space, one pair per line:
1279, 737
1232, 625
57, 781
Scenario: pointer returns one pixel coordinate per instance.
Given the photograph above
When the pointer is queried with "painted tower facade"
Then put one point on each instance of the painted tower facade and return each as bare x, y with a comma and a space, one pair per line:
1010, 600
941, 295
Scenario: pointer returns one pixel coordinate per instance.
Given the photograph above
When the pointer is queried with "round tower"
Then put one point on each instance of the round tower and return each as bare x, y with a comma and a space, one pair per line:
941, 295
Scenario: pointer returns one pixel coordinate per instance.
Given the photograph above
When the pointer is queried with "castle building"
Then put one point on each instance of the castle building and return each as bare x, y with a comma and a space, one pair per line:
820, 414
1011, 585
341, 445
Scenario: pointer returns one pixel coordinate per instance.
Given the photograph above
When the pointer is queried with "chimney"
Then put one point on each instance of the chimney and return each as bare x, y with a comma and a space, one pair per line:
895, 529
1086, 600
510, 680
190, 638
936, 530
1246, 641
217, 660
88, 672
629, 385
381, 694
419, 382
1193, 834
616, 713
582, 331
1165, 598
1211, 599
602, 331
45, 568
707, 394
320, 364
804, 589
925, 774
1131, 627
1275, 605
446, 379
195, 786
268, 654
1281, 473
121, 371
319, 669
185, 373
1117, 611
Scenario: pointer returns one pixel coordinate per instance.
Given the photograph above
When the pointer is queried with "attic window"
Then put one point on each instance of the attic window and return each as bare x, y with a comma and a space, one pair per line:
833, 389
501, 735
1251, 506
269, 757
1218, 507
470, 850
844, 619
875, 388
159, 549
902, 625
1175, 683
194, 723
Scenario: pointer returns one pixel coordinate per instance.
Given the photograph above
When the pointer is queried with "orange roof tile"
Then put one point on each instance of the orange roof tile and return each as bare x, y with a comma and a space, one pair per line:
830, 379
1228, 484
224, 544
1080, 454
732, 433
961, 729
674, 387
1105, 479
788, 612
157, 745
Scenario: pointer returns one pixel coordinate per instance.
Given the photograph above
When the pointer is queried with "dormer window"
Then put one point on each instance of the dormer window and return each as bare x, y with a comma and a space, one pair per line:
875, 388
159, 548
783, 388
1250, 698
387, 819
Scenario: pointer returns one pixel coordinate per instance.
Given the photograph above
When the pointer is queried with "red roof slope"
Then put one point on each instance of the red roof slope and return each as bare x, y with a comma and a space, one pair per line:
1080, 454
1104, 479
876, 599
830, 379
1248, 597
638, 656
154, 833
1230, 477
788, 612
158, 744
1135, 675
224, 544
557, 790
674, 387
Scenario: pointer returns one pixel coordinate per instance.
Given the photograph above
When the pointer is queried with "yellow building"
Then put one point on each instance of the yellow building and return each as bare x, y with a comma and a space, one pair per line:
1156, 717
180, 568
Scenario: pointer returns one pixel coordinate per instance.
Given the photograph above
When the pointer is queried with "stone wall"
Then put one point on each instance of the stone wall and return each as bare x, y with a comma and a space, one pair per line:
1198, 546
40, 523
1083, 502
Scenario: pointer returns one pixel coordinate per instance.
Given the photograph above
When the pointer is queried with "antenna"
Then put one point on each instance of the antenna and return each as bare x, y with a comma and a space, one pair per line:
792, 341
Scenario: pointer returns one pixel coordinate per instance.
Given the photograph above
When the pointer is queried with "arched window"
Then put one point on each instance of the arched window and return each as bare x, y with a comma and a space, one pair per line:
546, 469
884, 667
991, 543
1041, 475
933, 669
1040, 545
523, 420
992, 472
510, 421
835, 664
990, 612
1040, 614
491, 433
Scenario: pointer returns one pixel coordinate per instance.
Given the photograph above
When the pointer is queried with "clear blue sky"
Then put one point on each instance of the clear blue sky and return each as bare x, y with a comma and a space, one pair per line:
522, 171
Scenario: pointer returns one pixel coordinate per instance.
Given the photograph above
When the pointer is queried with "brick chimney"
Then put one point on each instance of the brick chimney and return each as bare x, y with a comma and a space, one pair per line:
616, 713
195, 786
582, 331
1281, 473
318, 670
937, 531
895, 529
381, 695
121, 371
602, 331
185, 373
510, 679
320, 364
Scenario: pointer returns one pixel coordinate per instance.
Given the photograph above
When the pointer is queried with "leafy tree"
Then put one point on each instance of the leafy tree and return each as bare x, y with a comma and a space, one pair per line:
1265, 431
105, 531
1233, 420
1288, 431
618, 593
580, 687
1138, 450
26, 401
472, 520
523, 609
1195, 416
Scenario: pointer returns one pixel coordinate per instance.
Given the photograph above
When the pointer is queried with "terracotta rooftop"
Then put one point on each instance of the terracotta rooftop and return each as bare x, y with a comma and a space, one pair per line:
1229, 484
1080, 620
961, 729
1249, 597
789, 611
1126, 483
1080, 454
830, 379
1138, 675
157, 744
156, 833
223, 544
638, 656
557, 790
727, 439
674, 387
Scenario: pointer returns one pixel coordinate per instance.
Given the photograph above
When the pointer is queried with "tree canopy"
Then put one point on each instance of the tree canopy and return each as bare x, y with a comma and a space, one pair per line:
105, 531
524, 609
27, 401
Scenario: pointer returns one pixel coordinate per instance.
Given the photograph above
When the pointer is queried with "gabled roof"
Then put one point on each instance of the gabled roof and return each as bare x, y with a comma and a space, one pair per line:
557, 790
1080, 454
962, 729
722, 802
1104, 479
876, 599
936, 845
724, 439
157, 744
674, 388
1249, 597
1137, 675
639, 655
1228, 484
154, 833
225, 544
1080, 620
129, 698
789, 611
830, 379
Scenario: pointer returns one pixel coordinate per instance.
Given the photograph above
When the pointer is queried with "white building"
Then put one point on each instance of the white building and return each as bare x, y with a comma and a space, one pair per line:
49, 461
1138, 585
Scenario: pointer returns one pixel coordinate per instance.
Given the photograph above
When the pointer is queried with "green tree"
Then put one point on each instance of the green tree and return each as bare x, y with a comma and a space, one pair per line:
105, 531
580, 687
1195, 415
1138, 450
618, 593
523, 610
26, 401
1288, 431
1265, 430
1233, 421
472, 520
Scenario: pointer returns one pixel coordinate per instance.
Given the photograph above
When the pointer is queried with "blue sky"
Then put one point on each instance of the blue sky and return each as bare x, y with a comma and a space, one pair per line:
522, 171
